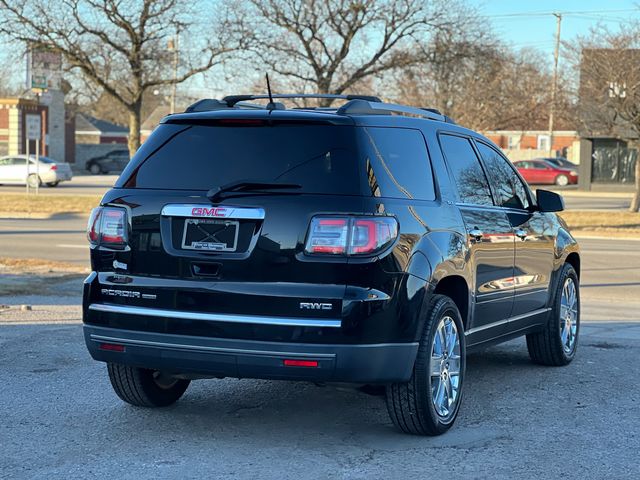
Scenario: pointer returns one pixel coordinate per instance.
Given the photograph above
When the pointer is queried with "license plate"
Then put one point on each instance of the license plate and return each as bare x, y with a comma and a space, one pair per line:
210, 235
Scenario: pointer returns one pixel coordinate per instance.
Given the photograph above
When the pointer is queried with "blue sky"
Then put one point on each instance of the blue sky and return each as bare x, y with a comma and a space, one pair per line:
523, 23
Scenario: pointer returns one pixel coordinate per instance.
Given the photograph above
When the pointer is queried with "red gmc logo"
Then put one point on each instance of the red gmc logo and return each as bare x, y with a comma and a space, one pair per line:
208, 212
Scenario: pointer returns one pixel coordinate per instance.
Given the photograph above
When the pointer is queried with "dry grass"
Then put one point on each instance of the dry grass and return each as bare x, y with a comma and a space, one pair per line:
27, 276
44, 205
602, 222
39, 266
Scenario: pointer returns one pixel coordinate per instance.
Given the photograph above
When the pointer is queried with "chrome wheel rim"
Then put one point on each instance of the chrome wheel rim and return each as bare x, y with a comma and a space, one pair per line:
563, 180
445, 367
569, 316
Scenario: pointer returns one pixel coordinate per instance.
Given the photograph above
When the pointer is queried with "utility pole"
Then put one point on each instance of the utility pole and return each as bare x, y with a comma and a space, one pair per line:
173, 45
554, 85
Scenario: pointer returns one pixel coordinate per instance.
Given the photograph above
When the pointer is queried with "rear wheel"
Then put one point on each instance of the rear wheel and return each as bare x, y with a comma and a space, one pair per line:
562, 180
33, 180
556, 345
145, 388
428, 403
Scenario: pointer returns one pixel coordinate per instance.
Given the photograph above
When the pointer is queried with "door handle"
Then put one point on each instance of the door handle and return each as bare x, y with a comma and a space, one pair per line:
521, 234
475, 234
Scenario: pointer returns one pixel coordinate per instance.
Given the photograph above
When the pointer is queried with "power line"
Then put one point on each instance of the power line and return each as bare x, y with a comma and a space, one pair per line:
548, 13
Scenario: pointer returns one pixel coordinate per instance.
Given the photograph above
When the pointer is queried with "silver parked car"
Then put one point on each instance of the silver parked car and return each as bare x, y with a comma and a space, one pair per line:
13, 170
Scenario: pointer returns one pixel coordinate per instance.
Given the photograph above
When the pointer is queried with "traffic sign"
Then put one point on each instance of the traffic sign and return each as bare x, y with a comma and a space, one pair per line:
33, 127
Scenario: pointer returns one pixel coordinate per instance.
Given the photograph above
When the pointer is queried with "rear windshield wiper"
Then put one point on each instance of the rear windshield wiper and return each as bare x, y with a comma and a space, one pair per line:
243, 186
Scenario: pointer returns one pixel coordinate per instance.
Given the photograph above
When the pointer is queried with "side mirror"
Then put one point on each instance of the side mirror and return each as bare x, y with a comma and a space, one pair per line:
549, 201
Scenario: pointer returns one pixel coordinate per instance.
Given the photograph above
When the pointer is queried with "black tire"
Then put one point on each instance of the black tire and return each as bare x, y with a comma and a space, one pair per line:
410, 404
139, 387
94, 169
33, 179
562, 180
52, 184
546, 347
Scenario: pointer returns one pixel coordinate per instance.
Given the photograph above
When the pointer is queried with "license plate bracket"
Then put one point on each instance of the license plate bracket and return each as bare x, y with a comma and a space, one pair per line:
210, 235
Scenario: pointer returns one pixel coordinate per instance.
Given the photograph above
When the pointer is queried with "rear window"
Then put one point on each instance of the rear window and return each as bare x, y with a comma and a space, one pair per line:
320, 158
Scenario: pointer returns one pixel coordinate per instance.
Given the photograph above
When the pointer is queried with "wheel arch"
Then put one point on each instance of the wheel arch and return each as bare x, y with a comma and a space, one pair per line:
456, 288
574, 260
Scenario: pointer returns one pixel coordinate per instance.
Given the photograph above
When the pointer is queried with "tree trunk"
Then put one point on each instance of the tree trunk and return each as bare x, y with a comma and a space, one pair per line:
635, 202
134, 129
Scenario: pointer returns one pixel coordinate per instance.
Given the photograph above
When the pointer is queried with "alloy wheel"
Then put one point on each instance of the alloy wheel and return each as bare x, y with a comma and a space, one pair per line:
445, 367
569, 316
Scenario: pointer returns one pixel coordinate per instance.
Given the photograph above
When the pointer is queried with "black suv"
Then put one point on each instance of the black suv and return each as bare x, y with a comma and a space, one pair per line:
373, 243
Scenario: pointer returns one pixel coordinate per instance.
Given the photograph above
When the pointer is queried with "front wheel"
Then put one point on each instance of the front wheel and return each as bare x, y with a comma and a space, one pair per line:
556, 345
145, 388
428, 403
52, 184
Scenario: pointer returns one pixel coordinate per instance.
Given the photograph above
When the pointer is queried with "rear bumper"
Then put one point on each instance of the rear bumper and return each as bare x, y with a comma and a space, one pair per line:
55, 176
361, 363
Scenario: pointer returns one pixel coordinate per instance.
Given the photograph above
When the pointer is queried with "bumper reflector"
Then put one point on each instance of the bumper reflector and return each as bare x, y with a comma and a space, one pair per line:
112, 347
300, 363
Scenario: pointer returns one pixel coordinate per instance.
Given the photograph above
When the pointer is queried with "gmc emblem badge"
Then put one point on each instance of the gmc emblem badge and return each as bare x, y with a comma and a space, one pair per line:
315, 306
209, 212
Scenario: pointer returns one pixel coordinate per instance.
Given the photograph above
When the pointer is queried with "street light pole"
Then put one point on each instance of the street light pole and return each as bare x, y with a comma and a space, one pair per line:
554, 85
176, 53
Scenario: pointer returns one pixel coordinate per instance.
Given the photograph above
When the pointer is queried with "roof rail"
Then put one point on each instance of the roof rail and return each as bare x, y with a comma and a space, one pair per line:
205, 105
231, 100
362, 107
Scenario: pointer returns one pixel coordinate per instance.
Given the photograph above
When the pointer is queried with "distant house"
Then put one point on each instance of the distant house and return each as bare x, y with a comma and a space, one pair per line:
527, 144
154, 118
609, 83
91, 130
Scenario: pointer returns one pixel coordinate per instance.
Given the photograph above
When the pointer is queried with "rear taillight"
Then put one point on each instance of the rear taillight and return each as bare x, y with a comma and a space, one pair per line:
350, 235
53, 167
108, 227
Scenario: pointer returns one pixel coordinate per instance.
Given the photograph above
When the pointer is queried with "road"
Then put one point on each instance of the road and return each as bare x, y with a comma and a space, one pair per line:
79, 185
61, 238
60, 418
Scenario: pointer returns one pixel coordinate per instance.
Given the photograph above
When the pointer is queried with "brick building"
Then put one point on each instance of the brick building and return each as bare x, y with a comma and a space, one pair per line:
13, 112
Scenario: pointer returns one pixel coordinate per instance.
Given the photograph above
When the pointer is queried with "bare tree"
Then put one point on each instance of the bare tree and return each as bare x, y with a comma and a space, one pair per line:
330, 46
608, 65
481, 84
119, 46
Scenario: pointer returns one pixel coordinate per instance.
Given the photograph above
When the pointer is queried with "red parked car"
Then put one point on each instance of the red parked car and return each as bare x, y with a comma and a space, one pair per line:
540, 171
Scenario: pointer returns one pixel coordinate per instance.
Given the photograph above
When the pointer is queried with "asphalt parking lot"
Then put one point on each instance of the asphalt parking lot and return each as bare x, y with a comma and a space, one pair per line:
60, 418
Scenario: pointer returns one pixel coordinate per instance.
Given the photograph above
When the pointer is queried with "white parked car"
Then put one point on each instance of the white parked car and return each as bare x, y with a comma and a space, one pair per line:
13, 170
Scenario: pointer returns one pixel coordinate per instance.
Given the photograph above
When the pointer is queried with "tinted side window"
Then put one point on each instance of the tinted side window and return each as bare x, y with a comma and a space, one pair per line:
470, 179
398, 163
506, 184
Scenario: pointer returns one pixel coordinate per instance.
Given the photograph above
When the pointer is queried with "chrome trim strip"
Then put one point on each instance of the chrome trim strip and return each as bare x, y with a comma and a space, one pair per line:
180, 346
203, 210
217, 317
507, 320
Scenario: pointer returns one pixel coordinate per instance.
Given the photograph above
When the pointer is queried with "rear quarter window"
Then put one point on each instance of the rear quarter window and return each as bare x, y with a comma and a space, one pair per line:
397, 163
